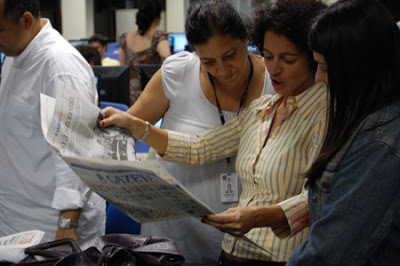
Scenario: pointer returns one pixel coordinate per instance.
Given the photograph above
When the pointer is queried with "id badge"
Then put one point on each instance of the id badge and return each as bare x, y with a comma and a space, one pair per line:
229, 187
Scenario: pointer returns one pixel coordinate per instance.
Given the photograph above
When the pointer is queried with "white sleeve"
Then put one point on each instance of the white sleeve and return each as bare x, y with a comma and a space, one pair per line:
70, 192
173, 72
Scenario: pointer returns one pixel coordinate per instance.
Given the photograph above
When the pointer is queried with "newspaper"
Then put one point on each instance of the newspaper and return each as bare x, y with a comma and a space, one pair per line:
105, 159
12, 247
142, 189
71, 127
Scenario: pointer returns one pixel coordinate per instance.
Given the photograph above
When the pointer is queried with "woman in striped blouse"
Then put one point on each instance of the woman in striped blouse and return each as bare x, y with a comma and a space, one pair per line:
353, 203
276, 138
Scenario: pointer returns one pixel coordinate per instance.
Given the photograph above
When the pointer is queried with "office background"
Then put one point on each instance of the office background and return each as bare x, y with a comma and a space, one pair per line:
79, 19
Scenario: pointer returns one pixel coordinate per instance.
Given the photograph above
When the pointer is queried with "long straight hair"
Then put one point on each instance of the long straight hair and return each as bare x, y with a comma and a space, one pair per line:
360, 42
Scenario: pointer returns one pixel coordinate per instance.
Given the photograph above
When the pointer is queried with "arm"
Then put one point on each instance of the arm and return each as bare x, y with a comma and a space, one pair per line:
214, 144
284, 218
163, 49
70, 193
238, 221
158, 138
122, 57
152, 103
69, 232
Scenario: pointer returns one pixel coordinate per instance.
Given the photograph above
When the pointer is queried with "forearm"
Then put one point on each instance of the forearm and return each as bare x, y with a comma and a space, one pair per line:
269, 216
68, 229
157, 138
238, 221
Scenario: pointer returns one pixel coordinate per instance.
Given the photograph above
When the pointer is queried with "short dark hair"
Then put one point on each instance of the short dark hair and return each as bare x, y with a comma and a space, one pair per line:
290, 18
149, 10
89, 53
208, 17
360, 43
14, 9
98, 38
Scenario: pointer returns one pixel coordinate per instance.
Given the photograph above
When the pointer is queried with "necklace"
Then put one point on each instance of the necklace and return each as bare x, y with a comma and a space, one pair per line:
242, 98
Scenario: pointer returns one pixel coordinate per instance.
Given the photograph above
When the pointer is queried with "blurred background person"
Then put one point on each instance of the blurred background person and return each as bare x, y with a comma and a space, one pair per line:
100, 43
146, 45
90, 53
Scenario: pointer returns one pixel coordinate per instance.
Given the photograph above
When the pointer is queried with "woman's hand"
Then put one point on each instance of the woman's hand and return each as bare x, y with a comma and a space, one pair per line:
235, 221
115, 117
240, 220
157, 137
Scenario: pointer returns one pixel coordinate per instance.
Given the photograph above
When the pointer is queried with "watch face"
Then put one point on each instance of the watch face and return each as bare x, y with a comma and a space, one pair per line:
66, 223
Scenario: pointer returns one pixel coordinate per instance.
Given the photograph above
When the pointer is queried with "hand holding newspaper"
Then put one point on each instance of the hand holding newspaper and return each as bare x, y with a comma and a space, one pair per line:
105, 159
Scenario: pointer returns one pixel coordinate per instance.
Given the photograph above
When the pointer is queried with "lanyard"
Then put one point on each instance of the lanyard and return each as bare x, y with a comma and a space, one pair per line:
242, 99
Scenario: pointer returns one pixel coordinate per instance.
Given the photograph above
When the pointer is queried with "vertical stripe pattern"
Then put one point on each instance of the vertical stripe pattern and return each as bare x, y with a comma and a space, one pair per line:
270, 169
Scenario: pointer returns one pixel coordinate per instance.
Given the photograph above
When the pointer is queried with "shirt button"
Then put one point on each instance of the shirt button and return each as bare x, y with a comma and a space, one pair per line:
314, 199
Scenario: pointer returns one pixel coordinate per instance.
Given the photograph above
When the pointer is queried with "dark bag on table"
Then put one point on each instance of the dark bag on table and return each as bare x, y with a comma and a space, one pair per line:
107, 250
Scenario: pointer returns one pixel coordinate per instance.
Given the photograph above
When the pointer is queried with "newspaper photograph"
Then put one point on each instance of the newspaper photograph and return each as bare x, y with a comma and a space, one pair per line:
105, 159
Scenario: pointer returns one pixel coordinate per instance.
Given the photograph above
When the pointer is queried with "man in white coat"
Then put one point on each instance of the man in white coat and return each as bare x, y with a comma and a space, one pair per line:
37, 188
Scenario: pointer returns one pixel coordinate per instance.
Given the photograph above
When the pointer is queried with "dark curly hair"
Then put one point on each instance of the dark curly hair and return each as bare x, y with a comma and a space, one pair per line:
149, 10
208, 17
290, 18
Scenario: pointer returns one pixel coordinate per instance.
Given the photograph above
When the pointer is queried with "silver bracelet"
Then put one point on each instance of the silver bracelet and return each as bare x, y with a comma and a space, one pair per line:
146, 132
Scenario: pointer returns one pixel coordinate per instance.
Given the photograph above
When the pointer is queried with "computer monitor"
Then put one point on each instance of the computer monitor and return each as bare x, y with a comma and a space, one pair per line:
253, 49
3, 56
178, 42
146, 72
79, 42
113, 83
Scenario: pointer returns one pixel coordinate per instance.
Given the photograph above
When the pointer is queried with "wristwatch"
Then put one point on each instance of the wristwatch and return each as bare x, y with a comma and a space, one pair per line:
66, 223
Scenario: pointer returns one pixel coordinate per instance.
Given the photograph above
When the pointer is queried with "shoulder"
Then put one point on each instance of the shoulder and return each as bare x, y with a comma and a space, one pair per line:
159, 36
179, 62
107, 61
384, 126
176, 70
123, 38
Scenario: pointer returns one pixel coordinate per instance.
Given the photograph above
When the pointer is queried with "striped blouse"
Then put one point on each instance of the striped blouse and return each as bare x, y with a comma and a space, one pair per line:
269, 167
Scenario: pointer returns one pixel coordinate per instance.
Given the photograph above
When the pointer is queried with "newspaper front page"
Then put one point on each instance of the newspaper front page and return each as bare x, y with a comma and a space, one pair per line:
105, 159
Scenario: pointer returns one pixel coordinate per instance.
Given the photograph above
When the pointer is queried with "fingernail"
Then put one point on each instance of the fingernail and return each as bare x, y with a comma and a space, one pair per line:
102, 123
203, 220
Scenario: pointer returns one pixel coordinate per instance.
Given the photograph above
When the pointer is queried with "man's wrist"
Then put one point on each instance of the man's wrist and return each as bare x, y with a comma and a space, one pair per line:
67, 223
